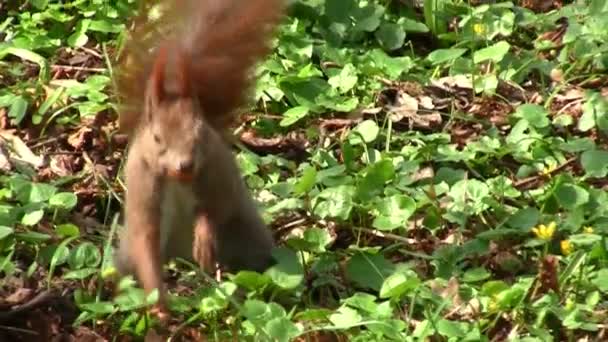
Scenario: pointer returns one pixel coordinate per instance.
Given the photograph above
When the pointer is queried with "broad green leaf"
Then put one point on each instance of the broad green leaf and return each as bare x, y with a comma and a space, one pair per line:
345, 317
84, 255
571, 196
18, 109
345, 79
32, 217
293, 115
595, 163
288, 272
282, 329
494, 52
366, 131
445, 55
390, 36
368, 270
394, 212
67, 230
601, 280
79, 37
536, 115
5, 231
335, 202
399, 283
64, 200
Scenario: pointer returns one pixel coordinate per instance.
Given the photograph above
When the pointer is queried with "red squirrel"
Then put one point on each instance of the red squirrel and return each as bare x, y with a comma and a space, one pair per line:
182, 78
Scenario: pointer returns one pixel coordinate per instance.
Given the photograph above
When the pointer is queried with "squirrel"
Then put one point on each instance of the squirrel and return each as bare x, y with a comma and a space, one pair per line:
182, 77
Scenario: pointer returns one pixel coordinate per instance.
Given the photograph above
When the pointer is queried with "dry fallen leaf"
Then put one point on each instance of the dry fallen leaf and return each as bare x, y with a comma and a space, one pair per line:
18, 150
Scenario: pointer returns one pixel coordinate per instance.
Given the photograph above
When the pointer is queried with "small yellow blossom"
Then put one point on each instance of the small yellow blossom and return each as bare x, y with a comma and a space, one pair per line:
588, 230
566, 247
548, 170
109, 272
570, 303
544, 232
479, 28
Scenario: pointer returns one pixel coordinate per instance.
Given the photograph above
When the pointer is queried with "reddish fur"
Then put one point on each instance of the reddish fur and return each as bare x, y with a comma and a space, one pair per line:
212, 56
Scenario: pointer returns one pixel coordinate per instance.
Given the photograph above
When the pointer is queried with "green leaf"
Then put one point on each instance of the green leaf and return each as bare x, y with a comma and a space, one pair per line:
399, 283
595, 163
5, 231
368, 270
345, 318
32, 217
282, 329
584, 239
63, 200
601, 280
84, 255
293, 115
366, 131
33, 237
67, 230
98, 307
536, 115
390, 36
80, 274
288, 273
251, 280
375, 179
79, 37
571, 196
345, 79
18, 109
335, 202
307, 181
476, 274
441, 56
451, 329
495, 53
393, 212
524, 218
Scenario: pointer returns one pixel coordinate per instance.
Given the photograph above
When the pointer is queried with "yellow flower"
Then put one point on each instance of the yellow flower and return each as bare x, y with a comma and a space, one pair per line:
548, 169
588, 230
544, 232
479, 28
570, 303
566, 247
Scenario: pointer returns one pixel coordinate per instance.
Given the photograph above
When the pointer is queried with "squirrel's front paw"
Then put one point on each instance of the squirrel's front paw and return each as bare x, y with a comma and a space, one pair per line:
203, 247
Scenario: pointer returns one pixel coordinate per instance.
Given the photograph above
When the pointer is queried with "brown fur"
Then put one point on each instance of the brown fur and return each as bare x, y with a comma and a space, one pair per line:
220, 40
185, 195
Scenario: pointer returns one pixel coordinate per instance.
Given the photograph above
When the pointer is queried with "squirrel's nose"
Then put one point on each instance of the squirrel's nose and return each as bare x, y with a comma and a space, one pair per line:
186, 166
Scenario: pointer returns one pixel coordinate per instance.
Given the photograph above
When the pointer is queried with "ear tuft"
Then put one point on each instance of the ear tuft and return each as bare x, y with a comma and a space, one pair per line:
157, 77
183, 85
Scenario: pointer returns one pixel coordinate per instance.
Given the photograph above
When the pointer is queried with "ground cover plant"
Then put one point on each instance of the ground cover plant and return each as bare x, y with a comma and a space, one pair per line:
432, 171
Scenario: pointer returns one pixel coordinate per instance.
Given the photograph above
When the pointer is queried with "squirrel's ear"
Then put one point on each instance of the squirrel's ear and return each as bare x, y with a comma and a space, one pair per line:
179, 84
156, 82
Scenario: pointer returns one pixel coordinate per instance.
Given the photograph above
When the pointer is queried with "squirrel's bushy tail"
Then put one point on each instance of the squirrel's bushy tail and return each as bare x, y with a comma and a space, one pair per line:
220, 40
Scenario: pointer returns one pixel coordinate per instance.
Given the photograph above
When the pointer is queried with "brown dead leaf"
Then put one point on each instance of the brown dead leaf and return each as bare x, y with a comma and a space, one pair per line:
82, 138
18, 150
541, 6
19, 296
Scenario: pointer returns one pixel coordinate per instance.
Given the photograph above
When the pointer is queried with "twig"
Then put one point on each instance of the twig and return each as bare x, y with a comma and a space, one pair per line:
33, 303
19, 330
76, 68
389, 236
531, 179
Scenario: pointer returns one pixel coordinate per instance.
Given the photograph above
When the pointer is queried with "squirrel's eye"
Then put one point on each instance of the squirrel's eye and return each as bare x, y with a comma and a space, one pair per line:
156, 138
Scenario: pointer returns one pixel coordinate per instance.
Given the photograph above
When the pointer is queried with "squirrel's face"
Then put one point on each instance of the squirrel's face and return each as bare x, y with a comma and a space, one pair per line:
176, 132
